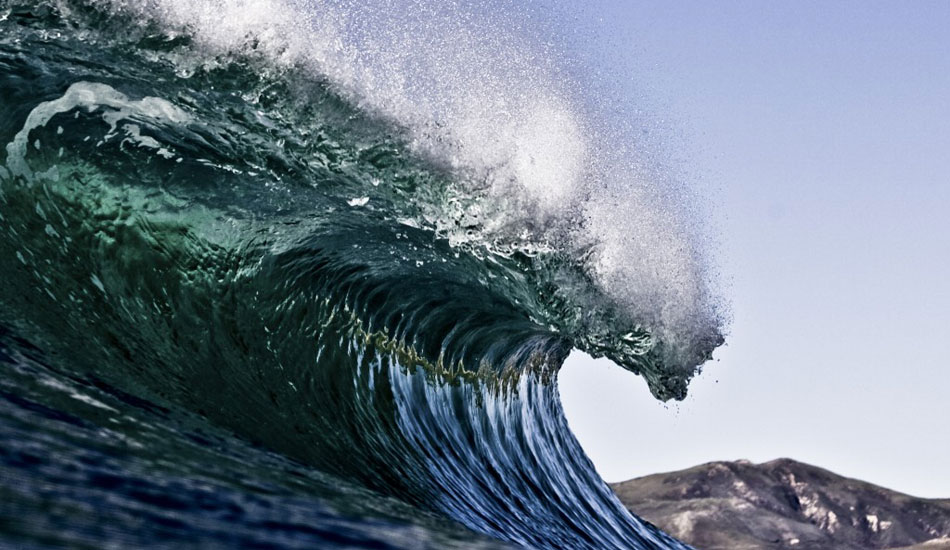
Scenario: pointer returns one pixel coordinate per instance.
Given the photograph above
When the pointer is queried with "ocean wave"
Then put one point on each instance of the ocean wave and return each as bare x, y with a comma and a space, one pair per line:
363, 238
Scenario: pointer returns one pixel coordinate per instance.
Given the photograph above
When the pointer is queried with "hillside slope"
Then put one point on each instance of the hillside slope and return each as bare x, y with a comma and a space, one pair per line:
784, 504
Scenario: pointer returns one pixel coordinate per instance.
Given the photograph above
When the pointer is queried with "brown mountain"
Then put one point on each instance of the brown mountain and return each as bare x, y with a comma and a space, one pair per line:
784, 504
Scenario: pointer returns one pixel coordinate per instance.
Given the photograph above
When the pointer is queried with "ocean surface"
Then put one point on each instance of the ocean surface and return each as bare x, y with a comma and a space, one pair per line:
290, 274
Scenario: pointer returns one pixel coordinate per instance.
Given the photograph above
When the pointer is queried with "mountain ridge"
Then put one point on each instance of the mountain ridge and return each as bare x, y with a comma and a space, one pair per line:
784, 504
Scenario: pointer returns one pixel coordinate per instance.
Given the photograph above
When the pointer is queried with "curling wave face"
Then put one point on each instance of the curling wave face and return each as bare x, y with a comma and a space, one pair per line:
294, 224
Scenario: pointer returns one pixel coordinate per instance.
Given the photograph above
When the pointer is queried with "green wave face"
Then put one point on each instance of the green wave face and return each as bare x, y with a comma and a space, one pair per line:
252, 242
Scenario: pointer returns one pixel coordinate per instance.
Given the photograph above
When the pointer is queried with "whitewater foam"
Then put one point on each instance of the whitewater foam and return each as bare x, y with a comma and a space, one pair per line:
93, 96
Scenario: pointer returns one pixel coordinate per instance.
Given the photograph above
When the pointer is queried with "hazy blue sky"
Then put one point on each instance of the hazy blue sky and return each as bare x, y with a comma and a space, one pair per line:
822, 133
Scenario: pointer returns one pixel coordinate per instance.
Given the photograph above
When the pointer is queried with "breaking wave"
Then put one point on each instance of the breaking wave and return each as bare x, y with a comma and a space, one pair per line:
358, 238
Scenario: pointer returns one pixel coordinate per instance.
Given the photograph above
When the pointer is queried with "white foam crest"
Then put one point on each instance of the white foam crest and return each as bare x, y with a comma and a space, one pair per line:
475, 90
92, 97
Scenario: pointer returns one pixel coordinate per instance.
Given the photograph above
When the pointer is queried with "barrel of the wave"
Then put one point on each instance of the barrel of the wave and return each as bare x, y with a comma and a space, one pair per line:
517, 472
186, 252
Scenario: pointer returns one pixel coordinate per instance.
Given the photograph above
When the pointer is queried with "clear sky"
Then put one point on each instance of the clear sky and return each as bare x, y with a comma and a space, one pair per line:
820, 131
